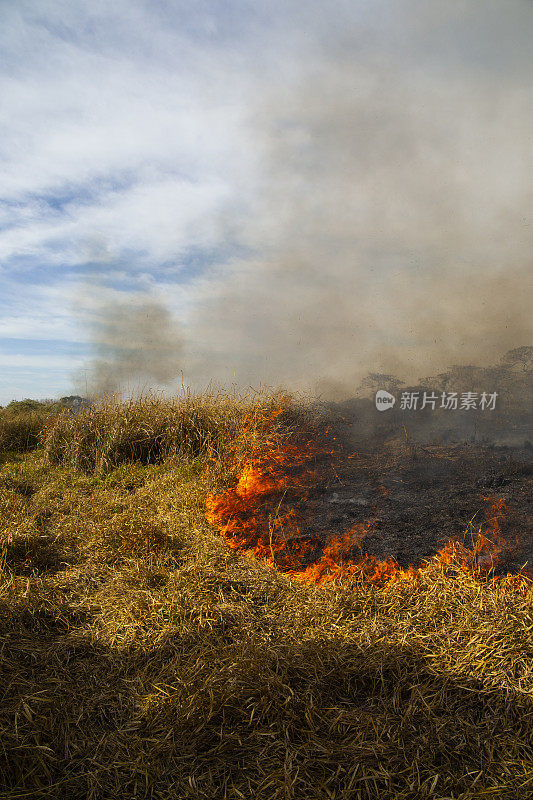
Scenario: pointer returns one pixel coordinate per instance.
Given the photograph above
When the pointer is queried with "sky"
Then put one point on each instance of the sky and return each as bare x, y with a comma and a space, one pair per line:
257, 193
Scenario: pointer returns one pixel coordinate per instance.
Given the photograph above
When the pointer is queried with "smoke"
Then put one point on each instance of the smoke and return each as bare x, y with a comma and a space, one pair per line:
384, 207
135, 342
391, 229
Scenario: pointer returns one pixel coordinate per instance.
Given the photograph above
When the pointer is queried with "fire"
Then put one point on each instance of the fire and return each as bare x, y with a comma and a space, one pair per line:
490, 544
249, 514
265, 515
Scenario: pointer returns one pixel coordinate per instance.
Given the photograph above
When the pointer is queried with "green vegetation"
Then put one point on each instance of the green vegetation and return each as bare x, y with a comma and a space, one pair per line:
142, 657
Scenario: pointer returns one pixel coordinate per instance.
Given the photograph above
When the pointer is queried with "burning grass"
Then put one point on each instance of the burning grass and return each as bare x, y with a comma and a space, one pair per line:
266, 514
143, 657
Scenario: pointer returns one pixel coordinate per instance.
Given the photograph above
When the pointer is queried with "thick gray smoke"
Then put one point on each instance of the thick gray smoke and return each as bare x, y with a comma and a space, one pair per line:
388, 221
136, 345
392, 227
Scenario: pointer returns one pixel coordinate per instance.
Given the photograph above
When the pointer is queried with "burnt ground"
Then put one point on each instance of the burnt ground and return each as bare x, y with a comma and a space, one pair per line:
420, 496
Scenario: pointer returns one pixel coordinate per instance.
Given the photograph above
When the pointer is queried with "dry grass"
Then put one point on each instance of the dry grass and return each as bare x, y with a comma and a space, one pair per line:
150, 429
142, 658
20, 429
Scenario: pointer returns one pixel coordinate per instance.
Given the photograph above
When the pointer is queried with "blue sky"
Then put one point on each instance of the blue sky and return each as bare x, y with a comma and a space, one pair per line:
311, 190
119, 134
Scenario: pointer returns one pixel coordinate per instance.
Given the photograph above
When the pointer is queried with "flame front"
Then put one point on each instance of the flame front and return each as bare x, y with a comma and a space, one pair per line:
264, 515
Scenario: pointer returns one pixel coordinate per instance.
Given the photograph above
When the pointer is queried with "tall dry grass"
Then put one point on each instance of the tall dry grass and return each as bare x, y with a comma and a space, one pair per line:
21, 425
150, 429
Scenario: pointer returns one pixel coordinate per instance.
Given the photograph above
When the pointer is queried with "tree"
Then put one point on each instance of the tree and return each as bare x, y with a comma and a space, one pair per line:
379, 380
520, 357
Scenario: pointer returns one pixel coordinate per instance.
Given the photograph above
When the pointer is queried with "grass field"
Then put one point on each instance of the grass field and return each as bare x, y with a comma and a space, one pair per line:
141, 657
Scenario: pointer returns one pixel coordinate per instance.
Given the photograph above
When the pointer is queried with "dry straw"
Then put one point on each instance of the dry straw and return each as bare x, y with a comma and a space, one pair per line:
142, 658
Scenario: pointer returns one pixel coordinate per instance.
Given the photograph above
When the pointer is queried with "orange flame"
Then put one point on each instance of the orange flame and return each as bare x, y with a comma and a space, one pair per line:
264, 515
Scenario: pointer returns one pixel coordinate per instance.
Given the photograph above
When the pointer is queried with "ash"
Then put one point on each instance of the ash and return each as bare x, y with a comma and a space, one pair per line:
421, 496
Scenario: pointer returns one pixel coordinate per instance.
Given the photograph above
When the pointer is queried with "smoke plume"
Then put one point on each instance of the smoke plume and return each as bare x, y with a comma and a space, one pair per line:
387, 221
391, 229
135, 343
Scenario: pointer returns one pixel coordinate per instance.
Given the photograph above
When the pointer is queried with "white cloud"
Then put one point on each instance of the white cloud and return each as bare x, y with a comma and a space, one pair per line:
38, 362
341, 146
162, 218
144, 151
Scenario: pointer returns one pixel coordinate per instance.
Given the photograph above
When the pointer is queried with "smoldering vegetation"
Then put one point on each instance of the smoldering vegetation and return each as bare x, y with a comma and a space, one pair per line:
143, 656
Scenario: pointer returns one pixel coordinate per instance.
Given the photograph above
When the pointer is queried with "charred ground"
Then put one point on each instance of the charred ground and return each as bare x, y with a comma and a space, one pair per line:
421, 496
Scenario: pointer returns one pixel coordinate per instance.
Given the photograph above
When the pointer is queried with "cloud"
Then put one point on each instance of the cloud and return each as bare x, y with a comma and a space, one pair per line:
47, 363
138, 147
363, 172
